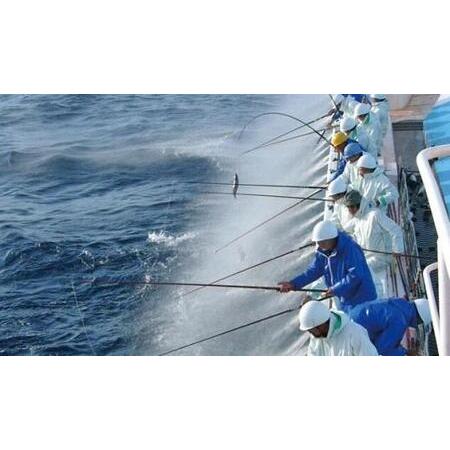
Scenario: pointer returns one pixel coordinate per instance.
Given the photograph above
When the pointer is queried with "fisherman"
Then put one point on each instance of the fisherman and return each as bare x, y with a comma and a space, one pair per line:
333, 333
338, 109
360, 98
336, 192
342, 104
352, 153
373, 184
386, 321
368, 122
339, 141
380, 109
349, 126
373, 230
341, 263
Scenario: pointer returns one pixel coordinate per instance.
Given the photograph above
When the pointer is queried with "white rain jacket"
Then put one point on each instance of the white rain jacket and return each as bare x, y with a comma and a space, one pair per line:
345, 338
371, 127
360, 135
340, 216
350, 175
381, 112
348, 106
373, 230
376, 186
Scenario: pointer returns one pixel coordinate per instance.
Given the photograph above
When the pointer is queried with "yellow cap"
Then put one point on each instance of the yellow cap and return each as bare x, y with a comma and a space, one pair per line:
338, 138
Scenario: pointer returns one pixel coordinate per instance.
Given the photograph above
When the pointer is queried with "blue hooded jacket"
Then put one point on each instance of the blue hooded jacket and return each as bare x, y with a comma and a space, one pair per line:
386, 322
358, 97
344, 270
341, 164
339, 169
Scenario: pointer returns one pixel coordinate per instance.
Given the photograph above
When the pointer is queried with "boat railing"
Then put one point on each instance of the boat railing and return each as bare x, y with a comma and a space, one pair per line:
426, 160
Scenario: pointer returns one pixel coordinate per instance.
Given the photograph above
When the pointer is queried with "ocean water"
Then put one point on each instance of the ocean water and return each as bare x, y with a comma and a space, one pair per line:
96, 188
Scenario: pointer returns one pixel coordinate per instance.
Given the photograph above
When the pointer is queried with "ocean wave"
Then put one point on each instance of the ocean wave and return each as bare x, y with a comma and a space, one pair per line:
161, 237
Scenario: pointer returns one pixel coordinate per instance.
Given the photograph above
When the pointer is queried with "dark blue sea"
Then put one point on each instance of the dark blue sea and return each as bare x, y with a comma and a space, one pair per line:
95, 188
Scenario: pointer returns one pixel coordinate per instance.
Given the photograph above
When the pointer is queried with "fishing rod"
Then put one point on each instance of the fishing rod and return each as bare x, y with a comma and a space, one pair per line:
270, 196
265, 221
276, 141
272, 316
175, 283
334, 102
298, 120
400, 254
239, 327
290, 186
252, 267
281, 135
338, 113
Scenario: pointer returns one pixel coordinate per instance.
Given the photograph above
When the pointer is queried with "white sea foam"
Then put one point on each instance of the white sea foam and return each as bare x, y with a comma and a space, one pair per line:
161, 237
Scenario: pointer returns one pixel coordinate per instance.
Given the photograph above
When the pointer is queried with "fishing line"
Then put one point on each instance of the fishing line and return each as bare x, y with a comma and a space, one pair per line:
274, 142
263, 223
270, 196
298, 120
290, 186
252, 267
82, 319
282, 135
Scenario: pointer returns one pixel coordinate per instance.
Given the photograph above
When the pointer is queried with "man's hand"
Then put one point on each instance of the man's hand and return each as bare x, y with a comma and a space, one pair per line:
305, 298
414, 347
328, 293
285, 286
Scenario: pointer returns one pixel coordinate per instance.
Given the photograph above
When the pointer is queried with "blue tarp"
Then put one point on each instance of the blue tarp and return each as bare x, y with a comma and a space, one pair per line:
436, 125
442, 170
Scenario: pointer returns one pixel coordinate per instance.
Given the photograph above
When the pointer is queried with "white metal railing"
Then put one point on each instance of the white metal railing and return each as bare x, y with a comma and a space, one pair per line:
432, 302
442, 224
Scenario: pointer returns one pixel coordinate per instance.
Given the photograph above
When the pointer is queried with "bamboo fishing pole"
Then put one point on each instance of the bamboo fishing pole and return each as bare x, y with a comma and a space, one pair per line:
280, 141
208, 338
273, 113
252, 267
283, 134
405, 255
176, 283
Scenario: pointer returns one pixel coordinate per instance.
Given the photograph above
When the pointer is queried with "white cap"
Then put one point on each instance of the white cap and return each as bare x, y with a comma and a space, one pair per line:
338, 99
378, 96
361, 109
323, 231
337, 186
423, 309
312, 314
367, 161
347, 123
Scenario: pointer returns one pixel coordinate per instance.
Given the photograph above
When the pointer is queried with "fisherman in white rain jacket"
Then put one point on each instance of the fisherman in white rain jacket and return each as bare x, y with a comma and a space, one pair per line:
332, 333
368, 122
341, 105
373, 230
352, 153
336, 192
349, 126
373, 184
380, 108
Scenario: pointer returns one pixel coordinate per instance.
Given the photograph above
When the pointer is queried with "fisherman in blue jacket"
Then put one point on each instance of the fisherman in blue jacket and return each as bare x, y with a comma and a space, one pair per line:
341, 262
386, 321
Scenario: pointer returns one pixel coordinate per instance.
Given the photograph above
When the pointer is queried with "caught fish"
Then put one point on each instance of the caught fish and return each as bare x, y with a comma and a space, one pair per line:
235, 184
